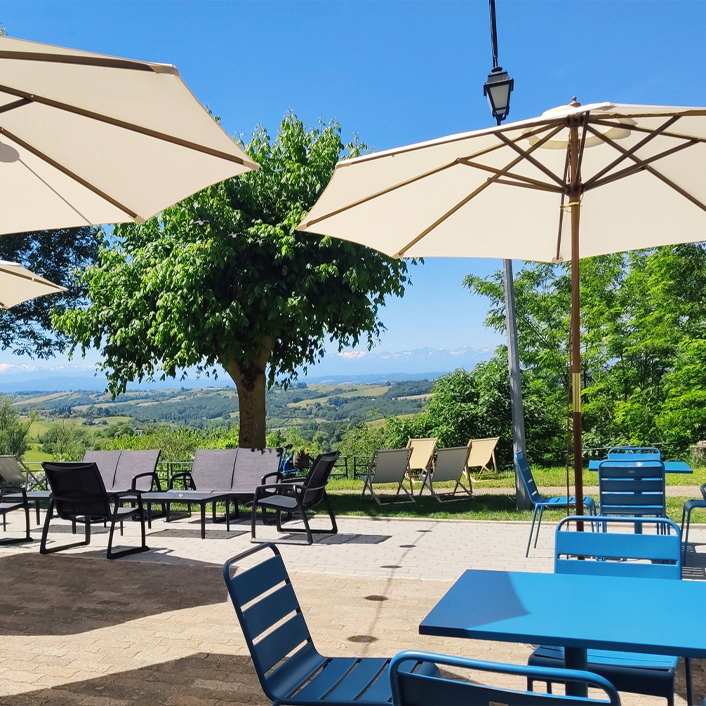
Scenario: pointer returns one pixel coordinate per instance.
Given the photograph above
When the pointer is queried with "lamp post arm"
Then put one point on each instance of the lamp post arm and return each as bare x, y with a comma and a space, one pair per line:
493, 35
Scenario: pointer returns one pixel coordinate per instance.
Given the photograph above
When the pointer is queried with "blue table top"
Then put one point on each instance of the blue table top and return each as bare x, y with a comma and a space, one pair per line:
669, 466
656, 616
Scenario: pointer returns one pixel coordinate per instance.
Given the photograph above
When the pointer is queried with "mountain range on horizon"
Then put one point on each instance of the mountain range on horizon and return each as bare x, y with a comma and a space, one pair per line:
337, 367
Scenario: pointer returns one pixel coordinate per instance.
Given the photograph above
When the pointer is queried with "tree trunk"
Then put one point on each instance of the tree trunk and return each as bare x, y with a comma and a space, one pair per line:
250, 382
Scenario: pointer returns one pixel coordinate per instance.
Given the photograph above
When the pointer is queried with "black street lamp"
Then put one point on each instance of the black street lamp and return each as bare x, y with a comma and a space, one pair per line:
497, 90
499, 85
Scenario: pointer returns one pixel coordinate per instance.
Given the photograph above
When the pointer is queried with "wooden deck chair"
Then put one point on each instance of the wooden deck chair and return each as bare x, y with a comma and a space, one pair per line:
482, 454
450, 465
421, 460
389, 466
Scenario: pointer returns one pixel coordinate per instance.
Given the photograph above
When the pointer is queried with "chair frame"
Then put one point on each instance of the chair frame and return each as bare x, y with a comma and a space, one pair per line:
15, 504
369, 481
296, 488
288, 665
17, 481
429, 478
540, 502
445, 691
112, 512
690, 505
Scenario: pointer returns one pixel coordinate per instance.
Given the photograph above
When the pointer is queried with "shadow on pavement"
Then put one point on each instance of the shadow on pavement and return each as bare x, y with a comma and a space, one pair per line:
64, 595
200, 679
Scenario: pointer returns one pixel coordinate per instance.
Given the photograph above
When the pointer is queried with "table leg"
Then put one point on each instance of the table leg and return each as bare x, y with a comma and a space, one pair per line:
576, 658
203, 520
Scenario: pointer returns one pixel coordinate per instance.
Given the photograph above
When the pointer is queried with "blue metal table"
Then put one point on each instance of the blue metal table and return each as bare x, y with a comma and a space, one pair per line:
669, 466
575, 612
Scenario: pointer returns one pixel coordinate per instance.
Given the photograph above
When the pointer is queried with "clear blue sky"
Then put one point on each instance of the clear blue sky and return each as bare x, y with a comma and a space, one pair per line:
395, 73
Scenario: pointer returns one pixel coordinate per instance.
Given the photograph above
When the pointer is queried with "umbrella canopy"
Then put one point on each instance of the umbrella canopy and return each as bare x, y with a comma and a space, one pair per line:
629, 176
88, 139
453, 197
18, 285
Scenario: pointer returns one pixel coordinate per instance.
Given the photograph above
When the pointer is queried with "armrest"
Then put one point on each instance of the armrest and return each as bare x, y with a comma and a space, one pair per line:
262, 490
268, 475
184, 475
13, 489
122, 494
152, 474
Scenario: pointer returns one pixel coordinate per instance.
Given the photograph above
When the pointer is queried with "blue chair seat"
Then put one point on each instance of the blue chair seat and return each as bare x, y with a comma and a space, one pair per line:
652, 675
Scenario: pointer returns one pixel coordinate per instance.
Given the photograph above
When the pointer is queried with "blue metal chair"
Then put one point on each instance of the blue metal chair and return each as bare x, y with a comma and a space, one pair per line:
540, 502
419, 689
690, 505
290, 669
634, 488
621, 554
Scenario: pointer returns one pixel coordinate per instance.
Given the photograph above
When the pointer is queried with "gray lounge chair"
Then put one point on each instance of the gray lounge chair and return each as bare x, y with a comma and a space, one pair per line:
450, 465
389, 466
120, 470
78, 494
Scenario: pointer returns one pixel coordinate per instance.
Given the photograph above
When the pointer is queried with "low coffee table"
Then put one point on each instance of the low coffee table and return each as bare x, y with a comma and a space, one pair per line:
189, 497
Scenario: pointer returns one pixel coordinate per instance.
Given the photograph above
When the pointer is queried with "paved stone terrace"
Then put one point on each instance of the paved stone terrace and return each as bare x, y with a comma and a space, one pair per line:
156, 628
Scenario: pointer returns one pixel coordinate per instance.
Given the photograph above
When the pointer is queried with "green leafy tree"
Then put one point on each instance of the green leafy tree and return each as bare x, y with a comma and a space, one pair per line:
224, 279
14, 431
57, 255
65, 440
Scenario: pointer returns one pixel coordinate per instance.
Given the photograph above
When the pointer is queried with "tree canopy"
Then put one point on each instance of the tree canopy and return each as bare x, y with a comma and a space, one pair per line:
26, 329
643, 339
223, 279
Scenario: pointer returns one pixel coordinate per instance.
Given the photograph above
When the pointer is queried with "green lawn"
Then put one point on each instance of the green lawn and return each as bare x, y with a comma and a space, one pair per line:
481, 507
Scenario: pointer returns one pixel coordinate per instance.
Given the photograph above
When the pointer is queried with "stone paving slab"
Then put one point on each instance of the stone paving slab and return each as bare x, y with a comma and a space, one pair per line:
156, 628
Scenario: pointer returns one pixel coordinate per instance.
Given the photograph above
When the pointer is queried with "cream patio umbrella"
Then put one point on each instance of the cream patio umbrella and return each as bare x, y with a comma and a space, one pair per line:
625, 176
88, 139
18, 285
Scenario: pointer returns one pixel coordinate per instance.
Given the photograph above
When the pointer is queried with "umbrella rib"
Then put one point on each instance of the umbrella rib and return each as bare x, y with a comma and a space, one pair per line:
490, 180
652, 171
65, 170
123, 124
526, 154
16, 104
631, 151
383, 192
638, 128
100, 61
537, 187
529, 181
635, 168
561, 209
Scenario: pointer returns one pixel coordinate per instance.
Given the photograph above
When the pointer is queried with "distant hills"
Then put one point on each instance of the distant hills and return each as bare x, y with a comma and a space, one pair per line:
336, 368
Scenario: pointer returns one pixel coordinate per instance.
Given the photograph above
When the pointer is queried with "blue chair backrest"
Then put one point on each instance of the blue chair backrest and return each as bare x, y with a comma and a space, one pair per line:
632, 487
527, 477
641, 453
415, 689
618, 554
703, 491
258, 612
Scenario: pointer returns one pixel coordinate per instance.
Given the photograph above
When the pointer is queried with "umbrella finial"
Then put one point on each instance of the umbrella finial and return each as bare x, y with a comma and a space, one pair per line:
574, 103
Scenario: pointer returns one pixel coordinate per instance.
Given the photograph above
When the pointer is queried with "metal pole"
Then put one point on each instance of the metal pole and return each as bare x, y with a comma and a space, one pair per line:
513, 363
575, 205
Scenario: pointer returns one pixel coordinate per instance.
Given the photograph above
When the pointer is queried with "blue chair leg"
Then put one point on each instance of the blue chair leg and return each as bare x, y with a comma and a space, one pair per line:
685, 534
539, 524
529, 541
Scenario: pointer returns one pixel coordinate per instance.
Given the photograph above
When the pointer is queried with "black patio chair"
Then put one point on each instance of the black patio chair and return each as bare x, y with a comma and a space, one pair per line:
78, 494
297, 496
14, 497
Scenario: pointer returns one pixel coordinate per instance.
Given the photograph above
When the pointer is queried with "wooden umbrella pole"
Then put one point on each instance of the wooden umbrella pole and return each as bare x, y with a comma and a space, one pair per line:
575, 205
